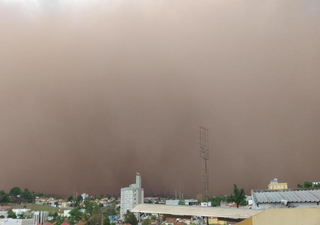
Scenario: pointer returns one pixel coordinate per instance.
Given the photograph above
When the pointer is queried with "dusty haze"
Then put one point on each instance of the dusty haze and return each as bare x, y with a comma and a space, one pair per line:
92, 92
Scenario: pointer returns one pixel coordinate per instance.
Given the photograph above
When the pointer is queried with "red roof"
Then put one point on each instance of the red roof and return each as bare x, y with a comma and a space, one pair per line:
5, 207
81, 223
65, 223
48, 223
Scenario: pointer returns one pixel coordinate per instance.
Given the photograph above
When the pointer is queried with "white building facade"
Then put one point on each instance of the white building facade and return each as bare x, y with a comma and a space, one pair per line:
131, 196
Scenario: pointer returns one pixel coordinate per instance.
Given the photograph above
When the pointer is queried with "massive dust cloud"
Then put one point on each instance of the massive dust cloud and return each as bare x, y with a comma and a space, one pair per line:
94, 91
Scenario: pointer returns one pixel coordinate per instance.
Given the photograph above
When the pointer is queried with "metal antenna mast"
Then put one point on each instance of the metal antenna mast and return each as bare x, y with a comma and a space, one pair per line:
204, 154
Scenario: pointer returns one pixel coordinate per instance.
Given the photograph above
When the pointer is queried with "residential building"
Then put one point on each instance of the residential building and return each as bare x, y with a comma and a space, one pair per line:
65, 204
131, 196
290, 198
274, 185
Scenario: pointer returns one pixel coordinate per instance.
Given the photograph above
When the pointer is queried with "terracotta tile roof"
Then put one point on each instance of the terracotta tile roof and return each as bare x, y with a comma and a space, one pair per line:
5, 207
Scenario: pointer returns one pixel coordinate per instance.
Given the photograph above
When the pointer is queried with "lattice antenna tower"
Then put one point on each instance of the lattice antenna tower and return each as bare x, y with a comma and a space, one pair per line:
204, 154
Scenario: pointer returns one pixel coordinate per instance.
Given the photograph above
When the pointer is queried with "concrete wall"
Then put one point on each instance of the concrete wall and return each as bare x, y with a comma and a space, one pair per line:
297, 216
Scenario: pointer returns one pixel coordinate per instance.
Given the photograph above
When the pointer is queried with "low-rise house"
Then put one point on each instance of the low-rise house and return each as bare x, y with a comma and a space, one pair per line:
5, 208
20, 212
66, 213
274, 185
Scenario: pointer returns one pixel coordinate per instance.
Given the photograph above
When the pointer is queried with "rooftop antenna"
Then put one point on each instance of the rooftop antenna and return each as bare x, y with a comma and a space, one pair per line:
204, 154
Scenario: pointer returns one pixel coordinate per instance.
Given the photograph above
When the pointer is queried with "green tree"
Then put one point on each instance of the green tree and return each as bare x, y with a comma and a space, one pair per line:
26, 196
4, 197
106, 221
164, 218
79, 198
60, 220
90, 206
70, 198
299, 186
100, 197
75, 215
307, 184
153, 217
317, 185
11, 214
15, 191
96, 217
111, 210
239, 196
181, 202
216, 200
146, 222
129, 217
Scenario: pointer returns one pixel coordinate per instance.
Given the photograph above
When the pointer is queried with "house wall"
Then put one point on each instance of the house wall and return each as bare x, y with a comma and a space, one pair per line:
277, 186
216, 221
308, 216
246, 222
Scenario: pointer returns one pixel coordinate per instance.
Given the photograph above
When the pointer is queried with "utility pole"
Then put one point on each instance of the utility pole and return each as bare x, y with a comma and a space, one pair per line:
204, 154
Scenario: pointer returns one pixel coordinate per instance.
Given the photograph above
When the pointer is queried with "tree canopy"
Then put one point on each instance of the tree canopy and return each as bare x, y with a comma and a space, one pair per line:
308, 184
238, 196
129, 217
11, 214
181, 202
15, 191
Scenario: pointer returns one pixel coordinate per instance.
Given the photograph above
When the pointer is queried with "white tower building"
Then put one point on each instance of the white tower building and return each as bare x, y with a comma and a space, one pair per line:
131, 196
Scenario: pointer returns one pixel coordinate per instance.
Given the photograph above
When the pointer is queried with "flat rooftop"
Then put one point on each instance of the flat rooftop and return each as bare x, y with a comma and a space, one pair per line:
231, 213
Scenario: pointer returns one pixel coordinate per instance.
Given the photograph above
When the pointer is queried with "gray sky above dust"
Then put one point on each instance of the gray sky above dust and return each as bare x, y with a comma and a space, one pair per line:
93, 91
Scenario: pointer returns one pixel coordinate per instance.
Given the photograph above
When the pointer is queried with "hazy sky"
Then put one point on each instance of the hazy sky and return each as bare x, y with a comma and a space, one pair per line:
93, 91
